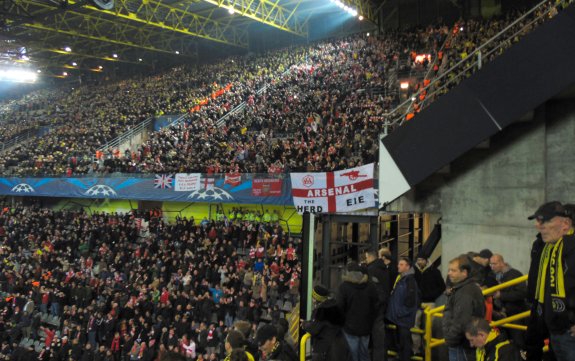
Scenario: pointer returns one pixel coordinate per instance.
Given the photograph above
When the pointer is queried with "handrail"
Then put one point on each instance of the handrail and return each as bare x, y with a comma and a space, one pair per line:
126, 135
448, 39
398, 119
18, 139
431, 342
220, 122
303, 346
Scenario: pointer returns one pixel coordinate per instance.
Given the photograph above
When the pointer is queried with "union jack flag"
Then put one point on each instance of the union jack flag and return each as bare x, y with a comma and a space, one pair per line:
163, 181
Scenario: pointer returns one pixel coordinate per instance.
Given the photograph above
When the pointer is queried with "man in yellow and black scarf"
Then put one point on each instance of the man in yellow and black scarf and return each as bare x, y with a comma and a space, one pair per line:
551, 287
489, 344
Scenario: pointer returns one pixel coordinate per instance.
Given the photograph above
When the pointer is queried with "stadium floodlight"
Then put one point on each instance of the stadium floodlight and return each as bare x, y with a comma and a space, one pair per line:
38, 71
65, 74
68, 49
115, 56
18, 75
139, 59
360, 18
100, 67
177, 52
74, 64
104, 4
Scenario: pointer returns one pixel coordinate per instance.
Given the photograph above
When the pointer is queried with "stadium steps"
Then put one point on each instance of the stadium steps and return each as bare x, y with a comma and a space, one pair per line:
504, 91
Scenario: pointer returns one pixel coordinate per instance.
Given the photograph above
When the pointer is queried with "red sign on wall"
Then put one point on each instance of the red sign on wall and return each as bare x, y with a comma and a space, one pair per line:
266, 187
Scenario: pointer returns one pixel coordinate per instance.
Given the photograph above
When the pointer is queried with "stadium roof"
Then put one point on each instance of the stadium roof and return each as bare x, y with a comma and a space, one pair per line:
55, 34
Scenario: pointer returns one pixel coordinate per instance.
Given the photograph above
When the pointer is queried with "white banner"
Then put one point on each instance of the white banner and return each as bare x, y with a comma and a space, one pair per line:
333, 192
187, 182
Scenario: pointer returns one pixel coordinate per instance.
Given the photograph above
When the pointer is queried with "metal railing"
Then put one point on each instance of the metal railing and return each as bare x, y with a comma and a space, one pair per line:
466, 66
431, 342
129, 134
19, 139
303, 346
222, 121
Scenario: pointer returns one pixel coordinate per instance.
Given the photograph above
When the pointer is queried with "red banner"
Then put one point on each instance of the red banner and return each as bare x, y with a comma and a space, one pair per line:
267, 187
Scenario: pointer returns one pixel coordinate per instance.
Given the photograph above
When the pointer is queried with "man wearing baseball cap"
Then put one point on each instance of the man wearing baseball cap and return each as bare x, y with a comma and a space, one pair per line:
552, 283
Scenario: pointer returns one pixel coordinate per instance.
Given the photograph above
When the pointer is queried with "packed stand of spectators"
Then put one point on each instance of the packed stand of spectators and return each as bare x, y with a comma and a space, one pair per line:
110, 294
83, 120
321, 115
467, 35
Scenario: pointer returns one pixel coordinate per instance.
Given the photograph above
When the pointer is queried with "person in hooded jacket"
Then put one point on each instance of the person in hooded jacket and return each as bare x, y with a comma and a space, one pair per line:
358, 300
327, 340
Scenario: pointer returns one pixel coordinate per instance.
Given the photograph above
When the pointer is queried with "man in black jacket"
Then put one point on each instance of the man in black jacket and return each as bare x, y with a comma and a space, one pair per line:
552, 285
325, 327
431, 286
380, 275
357, 298
464, 301
509, 301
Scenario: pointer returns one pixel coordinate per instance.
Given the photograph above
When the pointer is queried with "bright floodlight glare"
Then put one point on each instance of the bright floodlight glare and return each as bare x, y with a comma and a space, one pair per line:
139, 59
68, 49
100, 67
354, 12
114, 55
74, 64
38, 71
367, 34
65, 73
231, 11
177, 52
18, 75
404, 85
360, 18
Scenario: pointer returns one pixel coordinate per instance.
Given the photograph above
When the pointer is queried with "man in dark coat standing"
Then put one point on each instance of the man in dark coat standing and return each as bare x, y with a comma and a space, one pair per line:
325, 328
403, 305
358, 300
551, 288
380, 275
431, 285
464, 301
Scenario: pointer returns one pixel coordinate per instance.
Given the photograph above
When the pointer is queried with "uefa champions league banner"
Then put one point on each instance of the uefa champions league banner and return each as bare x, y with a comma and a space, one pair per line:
334, 192
182, 187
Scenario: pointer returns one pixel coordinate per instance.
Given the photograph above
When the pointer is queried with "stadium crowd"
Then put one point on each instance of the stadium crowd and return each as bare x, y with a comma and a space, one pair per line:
77, 286
322, 109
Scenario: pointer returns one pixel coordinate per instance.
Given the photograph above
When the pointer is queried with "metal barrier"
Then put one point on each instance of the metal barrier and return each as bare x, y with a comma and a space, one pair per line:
303, 346
431, 342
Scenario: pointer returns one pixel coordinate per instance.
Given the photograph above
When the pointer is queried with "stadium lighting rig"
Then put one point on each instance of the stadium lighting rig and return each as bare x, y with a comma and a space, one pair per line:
348, 9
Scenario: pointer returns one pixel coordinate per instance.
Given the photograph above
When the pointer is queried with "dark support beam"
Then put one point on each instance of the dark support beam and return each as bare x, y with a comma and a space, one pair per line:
326, 251
394, 234
411, 237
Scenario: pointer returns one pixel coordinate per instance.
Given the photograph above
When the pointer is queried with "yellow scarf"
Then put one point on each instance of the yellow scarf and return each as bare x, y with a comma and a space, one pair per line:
480, 351
552, 262
396, 280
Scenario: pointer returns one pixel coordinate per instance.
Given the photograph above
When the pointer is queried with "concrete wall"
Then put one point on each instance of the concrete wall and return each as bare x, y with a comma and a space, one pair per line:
488, 194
